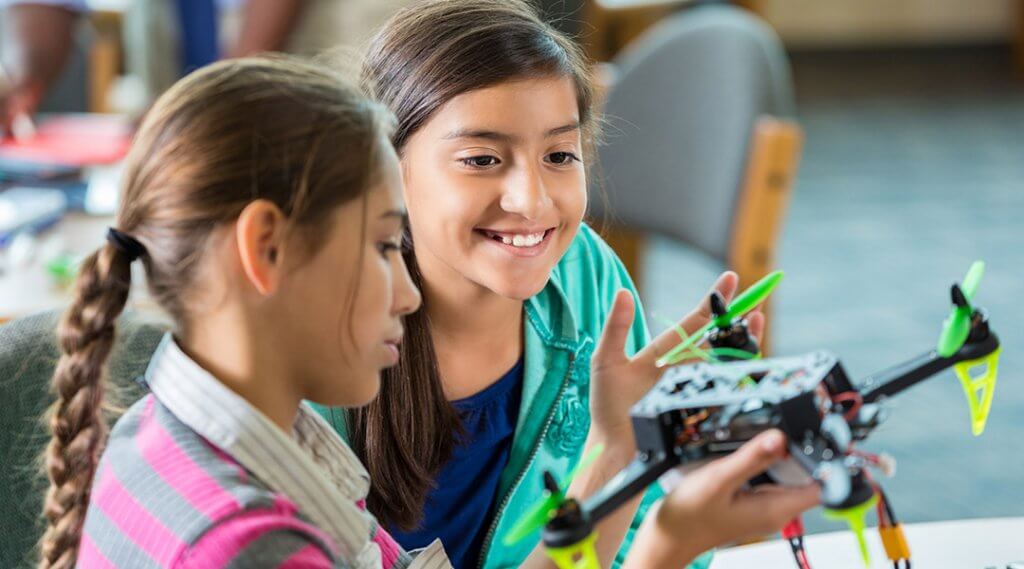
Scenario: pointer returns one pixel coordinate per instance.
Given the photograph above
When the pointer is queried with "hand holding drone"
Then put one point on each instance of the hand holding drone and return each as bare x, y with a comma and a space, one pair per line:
709, 409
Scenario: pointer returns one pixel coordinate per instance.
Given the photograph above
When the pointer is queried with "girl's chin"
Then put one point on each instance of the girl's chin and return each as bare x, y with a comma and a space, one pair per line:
363, 389
518, 288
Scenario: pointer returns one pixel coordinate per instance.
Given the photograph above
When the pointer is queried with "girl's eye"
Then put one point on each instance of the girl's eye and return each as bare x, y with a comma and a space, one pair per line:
562, 158
386, 247
480, 161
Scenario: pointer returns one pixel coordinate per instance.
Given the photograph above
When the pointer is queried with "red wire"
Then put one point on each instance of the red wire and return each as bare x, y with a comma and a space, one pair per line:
871, 458
847, 397
883, 517
804, 563
794, 533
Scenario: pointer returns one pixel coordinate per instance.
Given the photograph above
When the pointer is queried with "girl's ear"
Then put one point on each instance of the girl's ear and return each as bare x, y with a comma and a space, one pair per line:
260, 233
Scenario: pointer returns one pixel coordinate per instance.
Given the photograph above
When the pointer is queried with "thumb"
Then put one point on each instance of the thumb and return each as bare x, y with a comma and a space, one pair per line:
753, 458
769, 511
756, 325
611, 348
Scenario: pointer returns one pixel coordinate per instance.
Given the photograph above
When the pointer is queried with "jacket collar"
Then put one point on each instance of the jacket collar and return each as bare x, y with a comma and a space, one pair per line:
549, 315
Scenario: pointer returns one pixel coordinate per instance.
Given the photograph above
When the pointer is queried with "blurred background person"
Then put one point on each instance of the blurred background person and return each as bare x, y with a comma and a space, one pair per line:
157, 41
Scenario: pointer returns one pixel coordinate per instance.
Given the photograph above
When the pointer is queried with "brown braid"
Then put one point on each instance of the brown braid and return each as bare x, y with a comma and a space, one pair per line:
86, 336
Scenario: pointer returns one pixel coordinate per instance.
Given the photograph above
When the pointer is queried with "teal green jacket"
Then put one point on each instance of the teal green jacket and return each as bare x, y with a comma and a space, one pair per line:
562, 325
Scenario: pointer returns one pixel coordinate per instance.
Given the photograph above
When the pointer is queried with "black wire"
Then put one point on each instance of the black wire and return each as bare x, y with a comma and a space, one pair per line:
888, 506
796, 544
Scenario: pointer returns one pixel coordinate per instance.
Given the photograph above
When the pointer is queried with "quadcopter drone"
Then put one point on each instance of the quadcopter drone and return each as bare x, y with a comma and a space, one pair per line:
709, 409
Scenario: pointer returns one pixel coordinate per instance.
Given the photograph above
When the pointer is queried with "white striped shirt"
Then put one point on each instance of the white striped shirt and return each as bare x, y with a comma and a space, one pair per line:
314, 468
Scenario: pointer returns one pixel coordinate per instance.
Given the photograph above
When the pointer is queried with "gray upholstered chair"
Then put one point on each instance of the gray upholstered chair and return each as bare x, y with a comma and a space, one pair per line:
28, 354
699, 145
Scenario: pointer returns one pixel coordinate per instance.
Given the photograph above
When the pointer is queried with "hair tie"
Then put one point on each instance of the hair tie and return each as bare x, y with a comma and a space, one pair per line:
125, 244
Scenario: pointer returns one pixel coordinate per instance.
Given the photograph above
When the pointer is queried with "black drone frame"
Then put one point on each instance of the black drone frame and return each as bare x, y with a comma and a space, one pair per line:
697, 412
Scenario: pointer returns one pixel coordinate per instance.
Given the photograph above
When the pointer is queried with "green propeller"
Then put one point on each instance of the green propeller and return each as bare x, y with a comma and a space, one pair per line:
957, 326
742, 304
539, 515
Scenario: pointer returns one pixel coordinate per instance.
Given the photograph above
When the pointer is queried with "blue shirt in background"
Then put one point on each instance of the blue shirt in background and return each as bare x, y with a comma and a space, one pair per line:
199, 42
197, 20
458, 508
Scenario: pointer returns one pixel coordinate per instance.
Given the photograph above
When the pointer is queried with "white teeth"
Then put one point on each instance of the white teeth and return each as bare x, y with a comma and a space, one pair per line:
527, 240
518, 240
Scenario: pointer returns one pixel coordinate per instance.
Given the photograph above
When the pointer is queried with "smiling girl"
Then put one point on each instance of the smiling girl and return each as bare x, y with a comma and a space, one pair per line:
501, 377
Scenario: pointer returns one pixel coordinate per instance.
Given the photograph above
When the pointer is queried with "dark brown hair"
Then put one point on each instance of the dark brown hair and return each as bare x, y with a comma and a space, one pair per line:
290, 132
425, 56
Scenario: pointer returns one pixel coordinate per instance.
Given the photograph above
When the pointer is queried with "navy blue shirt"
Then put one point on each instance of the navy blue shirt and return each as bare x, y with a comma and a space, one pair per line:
458, 509
198, 33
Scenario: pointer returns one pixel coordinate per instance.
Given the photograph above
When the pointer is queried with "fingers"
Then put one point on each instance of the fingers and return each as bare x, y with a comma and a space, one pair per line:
756, 324
753, 458
776, 508
15, 116
725, 285
611, 348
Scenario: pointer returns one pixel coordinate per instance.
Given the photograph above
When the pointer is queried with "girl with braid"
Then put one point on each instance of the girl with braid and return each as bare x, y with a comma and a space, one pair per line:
264, 201
261, 197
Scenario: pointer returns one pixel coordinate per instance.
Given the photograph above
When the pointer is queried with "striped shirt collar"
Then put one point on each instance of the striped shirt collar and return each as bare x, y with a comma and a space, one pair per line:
314, 468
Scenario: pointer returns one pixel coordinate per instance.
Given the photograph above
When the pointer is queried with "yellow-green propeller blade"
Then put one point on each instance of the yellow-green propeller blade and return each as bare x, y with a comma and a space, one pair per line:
750, 298
957, 326
540, 514
534, 519
742, 304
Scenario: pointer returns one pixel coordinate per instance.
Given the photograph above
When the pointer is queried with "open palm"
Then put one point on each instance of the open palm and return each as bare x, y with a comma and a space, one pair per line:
619, 381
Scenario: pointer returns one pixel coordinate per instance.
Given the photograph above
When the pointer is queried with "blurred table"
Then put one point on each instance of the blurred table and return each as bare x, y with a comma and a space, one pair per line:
28, 288
960, 544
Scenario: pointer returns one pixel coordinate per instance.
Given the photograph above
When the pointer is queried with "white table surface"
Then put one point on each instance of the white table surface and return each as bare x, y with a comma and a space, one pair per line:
959, 544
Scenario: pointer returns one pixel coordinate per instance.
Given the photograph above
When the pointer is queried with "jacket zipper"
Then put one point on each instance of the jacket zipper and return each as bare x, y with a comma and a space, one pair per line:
526, 467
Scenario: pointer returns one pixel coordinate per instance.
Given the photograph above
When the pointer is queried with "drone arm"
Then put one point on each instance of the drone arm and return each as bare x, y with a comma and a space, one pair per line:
902, 376
912, 372
631, 481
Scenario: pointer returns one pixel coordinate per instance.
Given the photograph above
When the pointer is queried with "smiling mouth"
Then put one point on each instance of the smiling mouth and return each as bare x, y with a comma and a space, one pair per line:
518, 240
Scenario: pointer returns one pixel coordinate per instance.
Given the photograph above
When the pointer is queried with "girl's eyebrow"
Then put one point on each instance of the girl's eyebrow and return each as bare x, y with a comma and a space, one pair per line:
479, 133
400, 214
575, 125
504, 137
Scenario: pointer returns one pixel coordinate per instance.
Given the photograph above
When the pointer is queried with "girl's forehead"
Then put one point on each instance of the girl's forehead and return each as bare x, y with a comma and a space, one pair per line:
524, 107
386, 194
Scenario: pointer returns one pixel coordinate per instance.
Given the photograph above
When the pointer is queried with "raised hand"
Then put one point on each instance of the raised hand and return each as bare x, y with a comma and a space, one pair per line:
618, 381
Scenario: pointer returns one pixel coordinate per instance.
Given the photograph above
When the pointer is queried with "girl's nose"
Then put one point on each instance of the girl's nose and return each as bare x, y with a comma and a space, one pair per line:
407, 298
525, 194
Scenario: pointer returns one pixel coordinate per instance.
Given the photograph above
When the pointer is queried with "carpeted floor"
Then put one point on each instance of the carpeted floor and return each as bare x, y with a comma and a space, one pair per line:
913, 167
